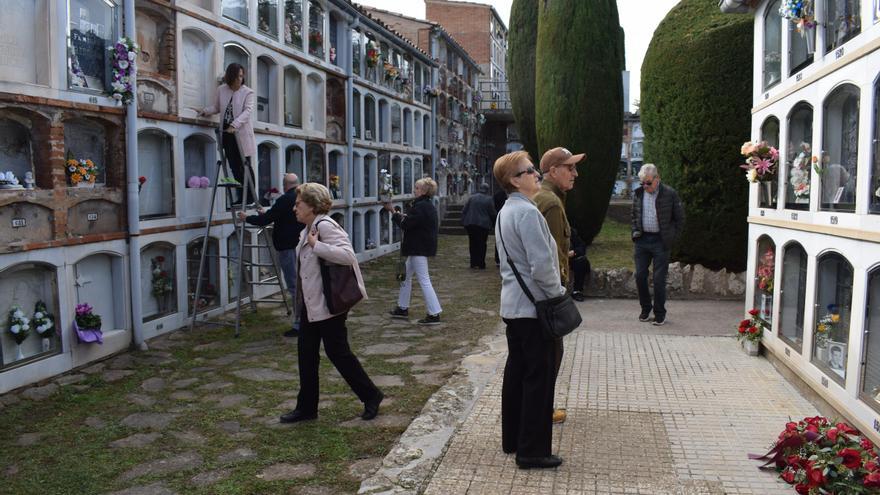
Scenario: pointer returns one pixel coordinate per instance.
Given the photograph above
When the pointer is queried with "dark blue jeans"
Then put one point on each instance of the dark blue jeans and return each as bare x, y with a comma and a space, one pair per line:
649, 247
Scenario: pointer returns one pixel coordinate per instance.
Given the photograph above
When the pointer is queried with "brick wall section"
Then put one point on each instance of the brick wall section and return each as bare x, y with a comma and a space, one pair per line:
417, 32
467, 23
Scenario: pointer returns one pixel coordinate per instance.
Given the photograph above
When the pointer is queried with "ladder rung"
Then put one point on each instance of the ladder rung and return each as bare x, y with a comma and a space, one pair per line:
262, 265
263, 246
264, 283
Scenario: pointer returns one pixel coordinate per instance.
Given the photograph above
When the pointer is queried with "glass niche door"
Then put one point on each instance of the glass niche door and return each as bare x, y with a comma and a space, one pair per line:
793, 296
832, 315
765, 280
869, 390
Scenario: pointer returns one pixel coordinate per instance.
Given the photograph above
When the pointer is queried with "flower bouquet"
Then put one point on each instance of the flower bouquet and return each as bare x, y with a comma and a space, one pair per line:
44, 323
316, 43
161, 281
19, 327
334, 186
827, 329
391, 71
799, 12
122, 57
749, 332
385, 188
87, 325
799, 175
761, 161
431, 91
821, 457
372, 54
82, 172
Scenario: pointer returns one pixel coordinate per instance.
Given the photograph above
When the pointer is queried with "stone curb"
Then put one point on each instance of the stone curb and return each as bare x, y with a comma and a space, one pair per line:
415, 456
683, 282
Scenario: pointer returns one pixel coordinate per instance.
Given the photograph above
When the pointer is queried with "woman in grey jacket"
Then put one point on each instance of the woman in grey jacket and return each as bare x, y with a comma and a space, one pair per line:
527, 392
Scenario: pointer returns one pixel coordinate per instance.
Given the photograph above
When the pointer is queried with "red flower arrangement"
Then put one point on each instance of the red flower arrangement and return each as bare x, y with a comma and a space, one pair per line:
821, 457
750, 329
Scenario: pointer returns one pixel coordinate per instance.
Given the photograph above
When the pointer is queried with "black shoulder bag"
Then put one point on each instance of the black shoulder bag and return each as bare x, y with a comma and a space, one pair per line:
341, 290
558, 316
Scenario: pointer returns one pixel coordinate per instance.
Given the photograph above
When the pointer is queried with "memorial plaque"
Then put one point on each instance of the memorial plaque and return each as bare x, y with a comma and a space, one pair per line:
18, 222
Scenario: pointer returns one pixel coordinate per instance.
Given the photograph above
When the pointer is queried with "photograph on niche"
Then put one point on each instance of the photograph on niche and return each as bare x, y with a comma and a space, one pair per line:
837, 356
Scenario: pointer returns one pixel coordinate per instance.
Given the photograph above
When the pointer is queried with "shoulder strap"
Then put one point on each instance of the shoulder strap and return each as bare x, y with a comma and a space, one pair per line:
513, 267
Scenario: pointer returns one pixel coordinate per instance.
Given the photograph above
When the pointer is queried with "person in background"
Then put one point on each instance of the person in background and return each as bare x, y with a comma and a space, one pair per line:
285, 236
657, 220
498, 198
324, 239
524, 242
478, 218
420, 228
559, 170
580, 267
236, 101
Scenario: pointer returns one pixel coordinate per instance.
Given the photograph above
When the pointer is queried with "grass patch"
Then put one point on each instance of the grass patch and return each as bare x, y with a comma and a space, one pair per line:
613, 247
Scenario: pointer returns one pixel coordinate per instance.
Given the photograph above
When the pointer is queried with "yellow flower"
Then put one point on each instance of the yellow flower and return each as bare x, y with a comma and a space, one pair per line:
821, 327
835, 318
81, 170
76, 178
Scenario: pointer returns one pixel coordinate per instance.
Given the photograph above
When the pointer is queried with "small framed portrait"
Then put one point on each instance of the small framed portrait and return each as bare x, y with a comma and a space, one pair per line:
837, 356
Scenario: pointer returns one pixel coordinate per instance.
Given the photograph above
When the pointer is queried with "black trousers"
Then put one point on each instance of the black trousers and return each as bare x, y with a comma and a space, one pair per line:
236, 163
580, 267
335, 336
477, 244
527, 391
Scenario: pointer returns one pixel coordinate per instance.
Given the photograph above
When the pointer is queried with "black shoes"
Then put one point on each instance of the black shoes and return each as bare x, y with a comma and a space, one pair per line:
645, 316
371, 407
551, 461
430, 320
296, 416
659, 321
578, 296
293, 332
399, 312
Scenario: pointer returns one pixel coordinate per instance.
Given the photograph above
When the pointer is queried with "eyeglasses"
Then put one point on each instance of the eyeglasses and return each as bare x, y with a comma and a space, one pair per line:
648, 183
530, 171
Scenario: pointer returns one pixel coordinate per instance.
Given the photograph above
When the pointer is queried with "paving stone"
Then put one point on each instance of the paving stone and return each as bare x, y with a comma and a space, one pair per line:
215, 386
144, 420
95, 422
80, 388
264, 375
434, 367
317, 490
190, 438
387, 381
364, 467
382, 420
284, 471
121, 361
136, 441
183, 395
186, 382
210, 477
229, 426
168, 465
437, 378
244, 435
154, 384
325, 404
28, 439
248, 412
151, 489
40, 393
94, 369
115, 375
382, 349
210, 346
140, 400
237, 455
227, 359
70, 379
11, 470
201, 369
227, 401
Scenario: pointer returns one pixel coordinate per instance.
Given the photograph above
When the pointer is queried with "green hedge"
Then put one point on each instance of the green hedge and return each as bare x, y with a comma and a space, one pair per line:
696, 99
521, 40
579, 99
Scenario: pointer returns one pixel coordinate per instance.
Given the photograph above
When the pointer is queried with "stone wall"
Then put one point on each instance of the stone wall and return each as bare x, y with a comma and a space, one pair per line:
683, 282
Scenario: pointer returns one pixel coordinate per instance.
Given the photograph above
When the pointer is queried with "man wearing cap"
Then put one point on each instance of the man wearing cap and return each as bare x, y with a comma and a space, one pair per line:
657, 220
559, 170
478, 218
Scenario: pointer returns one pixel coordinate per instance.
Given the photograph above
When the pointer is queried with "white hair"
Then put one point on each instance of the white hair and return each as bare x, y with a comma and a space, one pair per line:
648, 170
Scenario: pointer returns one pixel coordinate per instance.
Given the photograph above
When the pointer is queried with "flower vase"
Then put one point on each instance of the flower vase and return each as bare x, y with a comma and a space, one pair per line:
85, 185
88, 335
766, 306
822, 353
809, 34
18, 354
46, 344
751, 347
767, 194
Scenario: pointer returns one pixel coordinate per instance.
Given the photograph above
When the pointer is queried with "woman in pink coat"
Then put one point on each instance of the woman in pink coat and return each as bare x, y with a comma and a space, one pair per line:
323, 239
236, 101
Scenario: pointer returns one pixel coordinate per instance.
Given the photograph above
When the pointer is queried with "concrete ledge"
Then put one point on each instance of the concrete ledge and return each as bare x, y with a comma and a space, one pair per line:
683, 282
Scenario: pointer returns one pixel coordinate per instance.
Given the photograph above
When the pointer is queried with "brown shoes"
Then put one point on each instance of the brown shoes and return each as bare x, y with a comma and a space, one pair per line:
559, 415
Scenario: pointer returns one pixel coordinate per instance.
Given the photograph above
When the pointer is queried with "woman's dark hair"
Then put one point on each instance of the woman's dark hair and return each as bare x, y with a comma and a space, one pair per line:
232, 72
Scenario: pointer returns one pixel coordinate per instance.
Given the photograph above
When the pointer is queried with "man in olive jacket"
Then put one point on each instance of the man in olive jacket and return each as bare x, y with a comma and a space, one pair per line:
657, 220
559, 170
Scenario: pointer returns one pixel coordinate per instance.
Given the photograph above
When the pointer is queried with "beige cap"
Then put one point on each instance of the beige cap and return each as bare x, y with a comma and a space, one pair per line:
559, 156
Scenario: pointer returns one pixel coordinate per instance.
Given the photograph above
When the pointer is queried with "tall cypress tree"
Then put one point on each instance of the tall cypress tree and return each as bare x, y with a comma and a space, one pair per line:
521, 41
696, 112
579, 99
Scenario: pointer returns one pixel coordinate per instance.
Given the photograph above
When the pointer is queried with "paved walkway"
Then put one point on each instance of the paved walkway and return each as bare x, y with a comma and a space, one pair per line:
651, 410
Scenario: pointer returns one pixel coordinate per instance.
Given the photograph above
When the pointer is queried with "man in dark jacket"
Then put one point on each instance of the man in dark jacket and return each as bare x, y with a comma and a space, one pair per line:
285, 235
657, 220
498, 198
579, 266
420, 226
478, 218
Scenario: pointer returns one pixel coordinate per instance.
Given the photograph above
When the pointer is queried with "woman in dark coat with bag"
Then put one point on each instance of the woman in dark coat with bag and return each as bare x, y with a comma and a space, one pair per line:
420, 227
324, 240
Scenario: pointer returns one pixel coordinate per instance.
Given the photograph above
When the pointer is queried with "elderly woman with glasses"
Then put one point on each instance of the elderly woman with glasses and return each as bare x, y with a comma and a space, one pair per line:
527, 246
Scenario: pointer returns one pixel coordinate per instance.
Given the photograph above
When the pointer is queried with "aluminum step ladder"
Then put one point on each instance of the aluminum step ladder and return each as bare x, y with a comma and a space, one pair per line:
244, 265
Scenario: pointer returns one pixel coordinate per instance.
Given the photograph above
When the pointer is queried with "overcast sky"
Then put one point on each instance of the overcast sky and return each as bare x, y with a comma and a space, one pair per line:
639, 19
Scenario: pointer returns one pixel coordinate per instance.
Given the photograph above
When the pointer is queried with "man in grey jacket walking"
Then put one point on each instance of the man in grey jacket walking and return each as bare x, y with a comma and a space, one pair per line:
657, 220
478, 218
